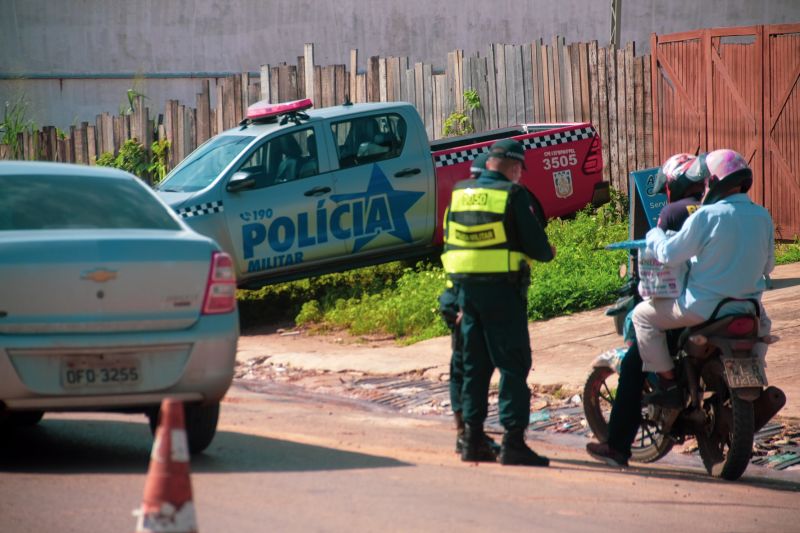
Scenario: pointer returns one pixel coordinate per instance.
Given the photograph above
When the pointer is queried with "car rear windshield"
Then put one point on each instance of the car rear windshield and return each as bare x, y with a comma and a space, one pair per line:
73, 202
202, 166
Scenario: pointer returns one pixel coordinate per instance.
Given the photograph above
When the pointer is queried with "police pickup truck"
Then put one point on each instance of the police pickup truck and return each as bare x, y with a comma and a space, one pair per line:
293, 192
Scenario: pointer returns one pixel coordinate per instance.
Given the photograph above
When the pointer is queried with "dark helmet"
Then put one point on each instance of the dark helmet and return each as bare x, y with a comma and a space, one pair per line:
478, 164
725, 169
673, 177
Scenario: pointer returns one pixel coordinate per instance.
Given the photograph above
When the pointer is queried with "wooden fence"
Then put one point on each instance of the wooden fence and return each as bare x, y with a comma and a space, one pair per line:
529, 83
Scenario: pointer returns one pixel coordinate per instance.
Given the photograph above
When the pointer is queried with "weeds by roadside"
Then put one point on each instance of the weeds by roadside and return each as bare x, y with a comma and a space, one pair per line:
401, 299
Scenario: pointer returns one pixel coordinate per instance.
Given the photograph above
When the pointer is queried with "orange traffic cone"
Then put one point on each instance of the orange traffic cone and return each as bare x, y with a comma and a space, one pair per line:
167, 505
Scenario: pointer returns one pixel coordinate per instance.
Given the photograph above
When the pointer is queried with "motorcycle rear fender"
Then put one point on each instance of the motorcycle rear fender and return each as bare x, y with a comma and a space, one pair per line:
749, 394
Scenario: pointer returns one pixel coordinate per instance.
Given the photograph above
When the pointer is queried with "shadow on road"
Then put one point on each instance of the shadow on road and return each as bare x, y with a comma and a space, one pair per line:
751, 478
784, 282
89, 446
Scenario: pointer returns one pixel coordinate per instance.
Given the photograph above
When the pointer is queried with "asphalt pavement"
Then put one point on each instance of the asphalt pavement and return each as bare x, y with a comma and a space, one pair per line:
563, 348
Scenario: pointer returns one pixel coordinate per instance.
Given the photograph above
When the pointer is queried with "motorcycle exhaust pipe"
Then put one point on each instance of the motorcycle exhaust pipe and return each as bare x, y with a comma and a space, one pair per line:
767, 405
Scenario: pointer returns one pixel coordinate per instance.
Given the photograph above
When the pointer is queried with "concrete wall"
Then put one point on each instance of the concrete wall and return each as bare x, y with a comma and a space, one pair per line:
178, 37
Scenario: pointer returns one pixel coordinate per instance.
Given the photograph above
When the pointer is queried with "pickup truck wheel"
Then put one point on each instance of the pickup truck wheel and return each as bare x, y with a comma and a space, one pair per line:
201, 424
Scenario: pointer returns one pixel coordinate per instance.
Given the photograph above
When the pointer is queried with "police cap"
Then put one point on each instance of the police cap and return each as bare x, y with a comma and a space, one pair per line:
508, 149
479, 163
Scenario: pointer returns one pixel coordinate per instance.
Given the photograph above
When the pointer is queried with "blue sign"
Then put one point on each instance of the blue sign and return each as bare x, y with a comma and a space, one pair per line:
652, 203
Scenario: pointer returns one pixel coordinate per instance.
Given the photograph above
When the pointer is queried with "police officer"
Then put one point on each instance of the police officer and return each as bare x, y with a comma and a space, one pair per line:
491, 235
450, 312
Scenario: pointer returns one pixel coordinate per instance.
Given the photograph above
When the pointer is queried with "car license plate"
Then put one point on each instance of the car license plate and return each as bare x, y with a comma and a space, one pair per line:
98, 371
748, 372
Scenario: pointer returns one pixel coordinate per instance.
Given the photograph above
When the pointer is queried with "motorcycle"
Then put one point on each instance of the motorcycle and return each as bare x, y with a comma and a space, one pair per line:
726, 395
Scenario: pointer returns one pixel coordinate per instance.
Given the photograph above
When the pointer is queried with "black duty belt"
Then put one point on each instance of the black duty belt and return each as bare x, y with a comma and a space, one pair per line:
509, 277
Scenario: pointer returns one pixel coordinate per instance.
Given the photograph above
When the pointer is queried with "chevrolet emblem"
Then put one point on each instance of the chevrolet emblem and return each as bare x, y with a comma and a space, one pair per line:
99, 275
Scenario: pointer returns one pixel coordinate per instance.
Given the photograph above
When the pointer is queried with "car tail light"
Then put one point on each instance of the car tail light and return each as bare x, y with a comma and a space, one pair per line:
221, 286
594, 159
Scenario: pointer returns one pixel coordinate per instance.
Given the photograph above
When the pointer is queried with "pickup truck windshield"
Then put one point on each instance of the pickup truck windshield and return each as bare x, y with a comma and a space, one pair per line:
203, 165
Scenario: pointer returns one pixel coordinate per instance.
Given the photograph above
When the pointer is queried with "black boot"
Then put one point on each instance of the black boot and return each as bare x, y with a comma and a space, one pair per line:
516, 452
459, 431
476, 448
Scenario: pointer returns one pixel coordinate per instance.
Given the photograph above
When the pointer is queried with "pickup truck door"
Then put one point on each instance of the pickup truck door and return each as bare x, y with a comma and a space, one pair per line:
383, 185
282, 220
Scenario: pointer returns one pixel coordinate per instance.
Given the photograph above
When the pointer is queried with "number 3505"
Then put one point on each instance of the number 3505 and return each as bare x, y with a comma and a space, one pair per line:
560, 161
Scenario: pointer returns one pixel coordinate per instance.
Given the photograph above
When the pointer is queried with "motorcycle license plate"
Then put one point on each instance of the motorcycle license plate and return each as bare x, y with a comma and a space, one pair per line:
747, 372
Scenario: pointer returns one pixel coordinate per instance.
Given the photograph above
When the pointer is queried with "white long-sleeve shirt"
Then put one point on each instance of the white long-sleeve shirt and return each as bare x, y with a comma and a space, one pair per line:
730, 246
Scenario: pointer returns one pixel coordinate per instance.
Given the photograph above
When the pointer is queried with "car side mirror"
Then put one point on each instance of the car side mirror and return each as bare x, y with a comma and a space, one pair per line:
240, 181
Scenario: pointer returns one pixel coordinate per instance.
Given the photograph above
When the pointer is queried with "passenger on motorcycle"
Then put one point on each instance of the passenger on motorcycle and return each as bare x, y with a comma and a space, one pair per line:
683, 196
684, 191
729, 243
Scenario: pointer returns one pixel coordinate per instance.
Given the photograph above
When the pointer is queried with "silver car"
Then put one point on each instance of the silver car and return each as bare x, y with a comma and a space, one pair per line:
108, 300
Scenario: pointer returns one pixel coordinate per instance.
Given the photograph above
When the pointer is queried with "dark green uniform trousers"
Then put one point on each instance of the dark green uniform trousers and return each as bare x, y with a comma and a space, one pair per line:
456, 371
494, 332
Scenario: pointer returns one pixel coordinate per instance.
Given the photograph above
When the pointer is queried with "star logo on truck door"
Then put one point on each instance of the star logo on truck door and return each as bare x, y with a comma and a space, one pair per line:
385, 208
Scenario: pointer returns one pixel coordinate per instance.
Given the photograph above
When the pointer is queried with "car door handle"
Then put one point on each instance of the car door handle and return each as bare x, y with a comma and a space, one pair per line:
406, 172
317, 191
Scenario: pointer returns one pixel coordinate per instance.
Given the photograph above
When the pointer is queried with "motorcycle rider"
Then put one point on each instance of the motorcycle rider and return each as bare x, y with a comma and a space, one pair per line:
729, 242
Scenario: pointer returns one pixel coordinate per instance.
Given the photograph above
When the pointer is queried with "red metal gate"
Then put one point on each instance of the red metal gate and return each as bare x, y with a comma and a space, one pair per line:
734, 98
782, 127
679, 93
735, 88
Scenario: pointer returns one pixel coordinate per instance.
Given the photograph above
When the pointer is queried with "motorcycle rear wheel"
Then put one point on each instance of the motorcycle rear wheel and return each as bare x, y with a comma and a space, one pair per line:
726, 440
598, 398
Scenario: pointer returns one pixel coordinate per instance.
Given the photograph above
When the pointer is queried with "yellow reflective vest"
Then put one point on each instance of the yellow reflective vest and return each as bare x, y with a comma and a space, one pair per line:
479, 239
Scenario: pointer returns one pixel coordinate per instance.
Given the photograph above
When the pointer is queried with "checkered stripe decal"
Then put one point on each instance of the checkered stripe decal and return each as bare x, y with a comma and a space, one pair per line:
454, 158
542, 141
201, 209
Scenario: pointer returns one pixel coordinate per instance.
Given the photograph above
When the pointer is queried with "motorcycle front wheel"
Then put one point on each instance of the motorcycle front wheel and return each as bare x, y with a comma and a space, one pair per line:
598, 398
726, 440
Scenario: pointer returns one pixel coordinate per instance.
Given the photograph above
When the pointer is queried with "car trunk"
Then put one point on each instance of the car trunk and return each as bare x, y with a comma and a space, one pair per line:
76, 281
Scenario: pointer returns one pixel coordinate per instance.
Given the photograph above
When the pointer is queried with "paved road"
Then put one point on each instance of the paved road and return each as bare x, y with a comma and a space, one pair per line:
286, 460
563, 348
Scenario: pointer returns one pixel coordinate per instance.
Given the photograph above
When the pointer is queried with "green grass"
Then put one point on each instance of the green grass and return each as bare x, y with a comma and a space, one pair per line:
283, 301
787, 252
400, 299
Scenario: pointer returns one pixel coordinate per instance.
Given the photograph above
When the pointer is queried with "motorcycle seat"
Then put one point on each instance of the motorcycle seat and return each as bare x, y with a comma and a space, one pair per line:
741, 325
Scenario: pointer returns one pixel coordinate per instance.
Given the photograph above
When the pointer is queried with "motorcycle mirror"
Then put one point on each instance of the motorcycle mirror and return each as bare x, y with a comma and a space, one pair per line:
623, 270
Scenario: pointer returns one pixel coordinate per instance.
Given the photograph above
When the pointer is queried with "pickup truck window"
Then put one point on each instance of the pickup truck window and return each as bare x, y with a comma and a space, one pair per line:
369, 139
202, 166
286, 158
